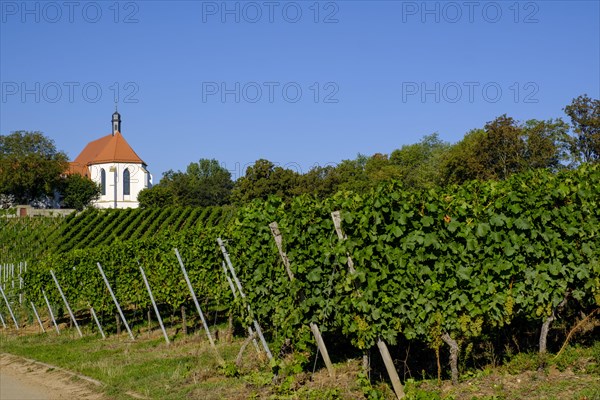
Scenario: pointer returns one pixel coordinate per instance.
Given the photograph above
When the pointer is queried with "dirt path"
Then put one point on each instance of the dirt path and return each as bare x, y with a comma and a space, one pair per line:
22, 379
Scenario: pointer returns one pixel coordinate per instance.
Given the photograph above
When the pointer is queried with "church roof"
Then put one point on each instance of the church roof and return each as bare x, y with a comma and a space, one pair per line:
107, 149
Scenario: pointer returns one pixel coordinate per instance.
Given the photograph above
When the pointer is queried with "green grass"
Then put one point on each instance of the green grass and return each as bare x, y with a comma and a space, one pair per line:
188, 369
148, 366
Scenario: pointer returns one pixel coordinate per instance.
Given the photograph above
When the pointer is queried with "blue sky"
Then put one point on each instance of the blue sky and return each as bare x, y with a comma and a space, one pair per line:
299, 83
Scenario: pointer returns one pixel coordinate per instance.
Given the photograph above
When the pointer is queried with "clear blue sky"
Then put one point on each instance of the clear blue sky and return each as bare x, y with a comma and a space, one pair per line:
373, 75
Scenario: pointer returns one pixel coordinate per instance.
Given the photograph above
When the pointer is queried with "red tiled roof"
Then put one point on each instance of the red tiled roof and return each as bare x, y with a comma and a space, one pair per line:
107, 149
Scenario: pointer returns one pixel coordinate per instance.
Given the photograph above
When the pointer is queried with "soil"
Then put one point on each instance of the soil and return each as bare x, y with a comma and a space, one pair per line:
23, 379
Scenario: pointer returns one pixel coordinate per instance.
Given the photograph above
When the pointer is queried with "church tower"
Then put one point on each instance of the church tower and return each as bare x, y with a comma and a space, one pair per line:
116, 122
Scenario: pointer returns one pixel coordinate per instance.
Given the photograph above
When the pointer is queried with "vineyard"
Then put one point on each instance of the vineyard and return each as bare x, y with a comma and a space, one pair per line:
450, 266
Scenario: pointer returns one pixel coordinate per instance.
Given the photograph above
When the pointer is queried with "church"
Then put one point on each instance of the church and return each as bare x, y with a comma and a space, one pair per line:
114, 165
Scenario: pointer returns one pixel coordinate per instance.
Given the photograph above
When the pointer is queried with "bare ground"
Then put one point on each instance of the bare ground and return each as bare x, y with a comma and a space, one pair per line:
21, 378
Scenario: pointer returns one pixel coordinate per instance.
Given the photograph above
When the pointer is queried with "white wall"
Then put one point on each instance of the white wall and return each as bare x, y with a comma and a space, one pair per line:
139, 180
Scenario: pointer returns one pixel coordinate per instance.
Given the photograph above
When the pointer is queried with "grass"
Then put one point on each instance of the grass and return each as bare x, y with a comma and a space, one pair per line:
187, 369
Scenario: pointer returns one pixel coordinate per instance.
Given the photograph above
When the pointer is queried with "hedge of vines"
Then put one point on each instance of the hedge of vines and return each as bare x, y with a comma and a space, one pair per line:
457, 261
26, 239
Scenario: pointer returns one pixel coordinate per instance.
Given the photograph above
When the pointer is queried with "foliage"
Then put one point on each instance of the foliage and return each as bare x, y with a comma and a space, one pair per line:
156, 196
30, 166
585, 118
79, 192
203, 184
263, 179
420, 164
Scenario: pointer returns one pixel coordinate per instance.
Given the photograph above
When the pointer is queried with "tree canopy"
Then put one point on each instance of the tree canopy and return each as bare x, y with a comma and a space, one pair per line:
30, 166
205, 183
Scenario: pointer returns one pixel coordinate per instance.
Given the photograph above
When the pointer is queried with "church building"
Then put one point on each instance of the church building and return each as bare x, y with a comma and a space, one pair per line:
114, 165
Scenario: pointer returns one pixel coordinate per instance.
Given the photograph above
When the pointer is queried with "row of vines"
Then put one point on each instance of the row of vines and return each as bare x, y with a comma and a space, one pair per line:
28, 238
445, 265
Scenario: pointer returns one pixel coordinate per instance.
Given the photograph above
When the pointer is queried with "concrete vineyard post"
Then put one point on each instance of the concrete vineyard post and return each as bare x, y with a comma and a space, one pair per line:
232, 287
51, 313
243, 296
187, 280
154, 305
97, 322
9, 309
37, 316
116, 302
66, 303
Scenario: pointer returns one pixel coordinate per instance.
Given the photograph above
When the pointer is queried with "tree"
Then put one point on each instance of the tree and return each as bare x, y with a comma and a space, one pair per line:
204, 183
79, 192
461, 164
264, 179
30, 166
157, 196
501, 149
545, 144
585, 119
419, 164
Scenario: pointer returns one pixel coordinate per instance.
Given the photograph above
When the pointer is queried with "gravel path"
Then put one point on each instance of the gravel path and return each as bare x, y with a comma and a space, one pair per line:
22, 379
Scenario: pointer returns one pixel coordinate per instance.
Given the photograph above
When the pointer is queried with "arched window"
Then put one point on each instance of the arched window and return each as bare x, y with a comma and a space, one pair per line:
126, 182
102, 181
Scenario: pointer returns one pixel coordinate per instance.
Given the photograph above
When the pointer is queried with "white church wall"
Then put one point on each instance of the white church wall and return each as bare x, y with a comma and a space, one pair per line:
139, 179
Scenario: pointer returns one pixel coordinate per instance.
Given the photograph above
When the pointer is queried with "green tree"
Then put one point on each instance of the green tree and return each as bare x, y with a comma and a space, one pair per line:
79, 192
30, 166
502, 149
585, 119
419, 164
204, 183
264, 179
546, 144
461, 163
157, 196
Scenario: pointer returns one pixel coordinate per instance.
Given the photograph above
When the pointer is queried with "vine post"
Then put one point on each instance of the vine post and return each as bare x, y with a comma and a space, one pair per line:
162, 327
66, 303
115, 300
38, 317
234, 292
189, 284
51, 313
383, 349
9, 309
313, 327
97, 322
243, 296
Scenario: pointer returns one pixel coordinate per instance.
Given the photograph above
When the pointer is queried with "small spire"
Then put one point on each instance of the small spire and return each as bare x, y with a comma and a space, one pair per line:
116, 121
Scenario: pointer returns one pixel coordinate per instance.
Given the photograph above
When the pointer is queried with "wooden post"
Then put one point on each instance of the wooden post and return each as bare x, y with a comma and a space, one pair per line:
391, 369
383, 349
279, 242
313, 327
337, 223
